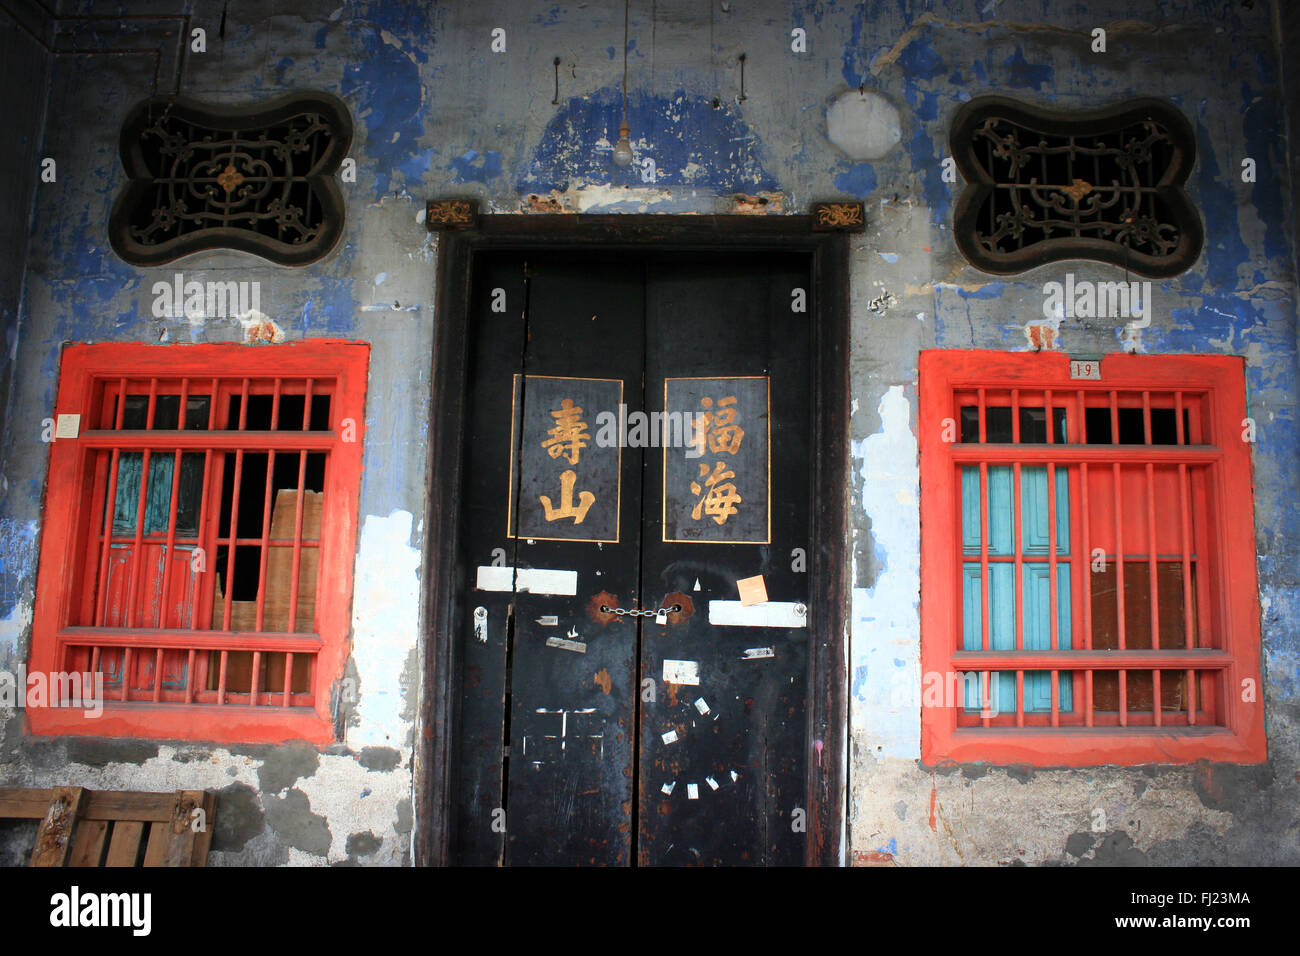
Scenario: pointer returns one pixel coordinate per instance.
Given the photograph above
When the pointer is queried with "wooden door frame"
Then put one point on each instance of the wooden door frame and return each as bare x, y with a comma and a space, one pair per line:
828, 555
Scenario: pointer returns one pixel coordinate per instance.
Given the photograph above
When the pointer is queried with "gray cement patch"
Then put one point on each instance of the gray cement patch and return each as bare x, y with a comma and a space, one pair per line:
363, 844
285, 765
239, 818
404, 816
291, 818
380, 758
100, 752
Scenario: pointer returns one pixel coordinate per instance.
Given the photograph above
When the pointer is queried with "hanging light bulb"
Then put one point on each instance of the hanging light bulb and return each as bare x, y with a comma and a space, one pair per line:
623, 151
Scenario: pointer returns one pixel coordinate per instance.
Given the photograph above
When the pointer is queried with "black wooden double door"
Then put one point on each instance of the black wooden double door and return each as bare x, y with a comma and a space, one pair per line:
638, 453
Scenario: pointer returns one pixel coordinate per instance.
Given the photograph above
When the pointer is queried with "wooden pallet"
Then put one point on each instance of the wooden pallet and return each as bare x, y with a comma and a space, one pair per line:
81, 827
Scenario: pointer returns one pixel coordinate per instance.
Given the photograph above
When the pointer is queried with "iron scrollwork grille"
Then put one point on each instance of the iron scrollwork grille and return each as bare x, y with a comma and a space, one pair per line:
1102, 184
204, 177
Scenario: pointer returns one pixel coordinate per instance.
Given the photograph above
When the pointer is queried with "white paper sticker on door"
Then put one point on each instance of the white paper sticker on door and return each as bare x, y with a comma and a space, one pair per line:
771, 614
681, 672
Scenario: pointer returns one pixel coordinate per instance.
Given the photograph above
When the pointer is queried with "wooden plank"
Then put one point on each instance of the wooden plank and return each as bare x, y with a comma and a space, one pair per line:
203, 839
75, 825
156, 851
88, 843
125, 845
180, 847
54, 838
17, 804
124, 805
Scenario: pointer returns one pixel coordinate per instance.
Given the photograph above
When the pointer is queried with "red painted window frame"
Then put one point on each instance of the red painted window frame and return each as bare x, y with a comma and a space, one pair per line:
942, 374
82, 365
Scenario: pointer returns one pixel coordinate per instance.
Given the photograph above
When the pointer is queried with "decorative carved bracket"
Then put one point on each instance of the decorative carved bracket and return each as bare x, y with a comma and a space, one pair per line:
838, 217
450, 214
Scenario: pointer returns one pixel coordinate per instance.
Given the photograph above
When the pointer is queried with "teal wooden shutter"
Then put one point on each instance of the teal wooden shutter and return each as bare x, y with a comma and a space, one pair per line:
1036, 592
1037, 608
157, 508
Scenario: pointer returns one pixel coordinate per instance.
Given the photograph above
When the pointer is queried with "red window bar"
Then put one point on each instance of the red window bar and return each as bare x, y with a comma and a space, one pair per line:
202, 568
1098, 607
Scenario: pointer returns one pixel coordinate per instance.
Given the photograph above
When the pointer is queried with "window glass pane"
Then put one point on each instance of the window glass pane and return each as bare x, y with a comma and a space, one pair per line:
1164, 429
166, 412
997, 424
289, 417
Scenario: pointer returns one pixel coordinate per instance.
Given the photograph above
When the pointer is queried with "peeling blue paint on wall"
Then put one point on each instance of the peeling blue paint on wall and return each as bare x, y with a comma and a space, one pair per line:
993, 290
1265, 134
17, 561
383, 88
473, 168
853, 68
919, 59
333, 306
422, 124
925, 159
925, 105
859, 180
691, 143
860, 682
1022, 74
404, 19
1224, 248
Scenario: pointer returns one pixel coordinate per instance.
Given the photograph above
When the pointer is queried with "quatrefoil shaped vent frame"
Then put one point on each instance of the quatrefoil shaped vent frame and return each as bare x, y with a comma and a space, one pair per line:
1103, 184
257, 179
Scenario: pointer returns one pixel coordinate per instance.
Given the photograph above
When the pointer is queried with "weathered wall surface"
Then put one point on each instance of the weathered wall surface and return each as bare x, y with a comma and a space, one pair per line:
24, 71
1238, 299
437, 113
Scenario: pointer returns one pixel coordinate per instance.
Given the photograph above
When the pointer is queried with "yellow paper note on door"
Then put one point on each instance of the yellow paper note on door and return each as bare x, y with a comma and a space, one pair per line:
752, 590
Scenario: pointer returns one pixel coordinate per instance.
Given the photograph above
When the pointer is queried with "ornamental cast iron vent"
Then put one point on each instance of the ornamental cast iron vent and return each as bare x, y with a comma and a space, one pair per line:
257, 179
1100, 184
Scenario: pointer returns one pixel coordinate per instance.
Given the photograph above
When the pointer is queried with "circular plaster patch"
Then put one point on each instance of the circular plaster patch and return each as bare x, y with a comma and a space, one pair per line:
863, 125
